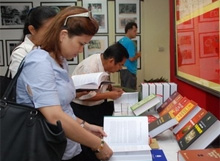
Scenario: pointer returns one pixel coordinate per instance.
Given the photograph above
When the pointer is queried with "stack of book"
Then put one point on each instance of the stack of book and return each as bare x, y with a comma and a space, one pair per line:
193, 127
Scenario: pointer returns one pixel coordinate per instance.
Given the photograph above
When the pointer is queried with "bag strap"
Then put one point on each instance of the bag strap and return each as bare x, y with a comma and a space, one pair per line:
7, 74
13, 82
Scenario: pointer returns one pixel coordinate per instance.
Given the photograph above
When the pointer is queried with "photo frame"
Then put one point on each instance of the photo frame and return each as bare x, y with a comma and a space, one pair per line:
60, 5
127, 11
209, 44
10, 45
74, 61
98, 44
99, 12
13, 14
137, 41
1, 53
203, 72
186, 47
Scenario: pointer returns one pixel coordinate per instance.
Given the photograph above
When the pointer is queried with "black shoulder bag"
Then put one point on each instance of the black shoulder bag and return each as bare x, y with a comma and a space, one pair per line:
25, 135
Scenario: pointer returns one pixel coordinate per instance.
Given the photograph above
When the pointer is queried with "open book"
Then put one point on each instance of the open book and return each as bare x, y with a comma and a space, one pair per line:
128, 138
90, 81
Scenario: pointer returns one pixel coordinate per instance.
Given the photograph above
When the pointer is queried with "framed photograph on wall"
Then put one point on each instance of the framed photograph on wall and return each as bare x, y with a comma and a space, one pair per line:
99, 12
127, 11
137, 41
73, 61
60, 5
13, 14
1, 53
97, 44
10, 45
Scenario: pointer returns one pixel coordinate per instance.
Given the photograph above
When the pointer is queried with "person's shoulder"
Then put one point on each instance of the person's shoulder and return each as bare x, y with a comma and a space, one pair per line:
38, 54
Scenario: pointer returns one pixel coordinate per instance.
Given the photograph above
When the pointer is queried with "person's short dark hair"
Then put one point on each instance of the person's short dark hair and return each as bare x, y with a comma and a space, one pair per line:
130, 25
37, 16
116, 51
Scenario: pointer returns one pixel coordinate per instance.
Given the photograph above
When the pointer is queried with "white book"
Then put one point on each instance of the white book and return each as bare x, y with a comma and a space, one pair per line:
90, 81
145, 104
128, 137
159, 93
122, 104
173, 87
166, 91
144, 90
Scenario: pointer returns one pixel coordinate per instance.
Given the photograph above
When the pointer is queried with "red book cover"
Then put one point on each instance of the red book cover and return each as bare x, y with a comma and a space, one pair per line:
211, 154
166, 107
190, 124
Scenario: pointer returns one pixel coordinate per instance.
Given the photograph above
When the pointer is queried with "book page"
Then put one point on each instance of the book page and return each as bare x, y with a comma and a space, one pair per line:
127, 133
91, 80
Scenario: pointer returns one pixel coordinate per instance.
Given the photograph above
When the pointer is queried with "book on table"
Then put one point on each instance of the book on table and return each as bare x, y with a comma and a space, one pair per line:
158, 155
145, 104
210, 154
122, 104
183, 108
169, 103
90, 81
161, 124
190, 124
202, 134
186, 119
128, 137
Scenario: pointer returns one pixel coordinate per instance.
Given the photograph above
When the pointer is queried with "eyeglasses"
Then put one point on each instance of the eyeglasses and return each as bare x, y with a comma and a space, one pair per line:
85, 14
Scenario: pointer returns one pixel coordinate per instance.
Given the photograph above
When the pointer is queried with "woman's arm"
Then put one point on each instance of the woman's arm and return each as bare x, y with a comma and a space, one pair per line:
75, 132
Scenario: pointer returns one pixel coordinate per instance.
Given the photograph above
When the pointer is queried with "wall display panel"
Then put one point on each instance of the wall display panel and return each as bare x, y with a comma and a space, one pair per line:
98, 44
127, 11
60, 5
99, 11
137, 42
13, 14
197, 44
10, 45
1, 53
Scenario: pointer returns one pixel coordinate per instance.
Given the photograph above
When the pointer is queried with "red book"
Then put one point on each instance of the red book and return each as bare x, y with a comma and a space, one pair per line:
169, 103
190, 124
211, 154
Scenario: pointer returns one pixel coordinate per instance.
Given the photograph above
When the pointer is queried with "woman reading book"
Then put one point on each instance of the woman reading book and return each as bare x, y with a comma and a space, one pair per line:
44, 82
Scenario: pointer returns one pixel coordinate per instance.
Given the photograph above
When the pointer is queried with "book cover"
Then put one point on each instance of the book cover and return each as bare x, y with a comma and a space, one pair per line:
191, 137
158, 155
161, 124
145, 104
190, 124
183, 109
210, 154
186, 119
169, 103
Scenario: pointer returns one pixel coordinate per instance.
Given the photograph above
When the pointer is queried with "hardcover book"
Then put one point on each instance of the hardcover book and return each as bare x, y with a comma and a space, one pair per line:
186, 119
211, 154
169, 103
161, 124
90, 81
145, 104
158, 155
190, 124
128, 137
201, 134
